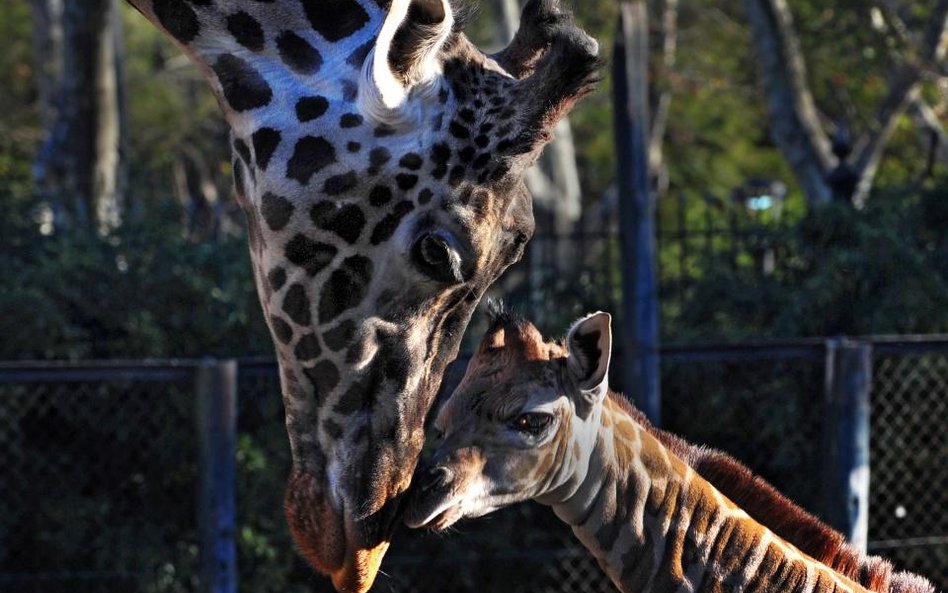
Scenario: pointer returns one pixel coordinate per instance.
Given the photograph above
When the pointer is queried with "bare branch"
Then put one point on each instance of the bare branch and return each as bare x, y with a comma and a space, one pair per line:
903, 90
935, 44
928, 123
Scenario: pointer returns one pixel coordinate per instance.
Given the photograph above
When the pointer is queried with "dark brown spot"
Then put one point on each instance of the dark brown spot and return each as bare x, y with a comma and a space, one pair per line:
311, 155
405, 181
380, 195
277, 278
346, 287
296, 305
265, 142
332, 428
458, 130
337, 19
350, 120
387, 226
246, 30
377, 158
324, 377
308, 254
411, 161
243, 87
276, 210
339, 337
307, 348
340, 184
281, 329
298, 54
178, 18
346, 221
310, 108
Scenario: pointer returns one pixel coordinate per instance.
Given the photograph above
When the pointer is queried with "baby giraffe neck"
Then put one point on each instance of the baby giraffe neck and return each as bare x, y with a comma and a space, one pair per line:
656, 526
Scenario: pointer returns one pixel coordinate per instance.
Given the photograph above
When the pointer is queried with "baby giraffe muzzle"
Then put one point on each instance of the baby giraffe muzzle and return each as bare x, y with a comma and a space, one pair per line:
501, 446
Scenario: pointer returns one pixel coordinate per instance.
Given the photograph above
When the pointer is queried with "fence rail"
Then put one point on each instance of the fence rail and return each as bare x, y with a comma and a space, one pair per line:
101, 468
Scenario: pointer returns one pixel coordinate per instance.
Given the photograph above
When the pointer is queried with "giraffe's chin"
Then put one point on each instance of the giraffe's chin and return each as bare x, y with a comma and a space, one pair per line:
347, 549
360, 569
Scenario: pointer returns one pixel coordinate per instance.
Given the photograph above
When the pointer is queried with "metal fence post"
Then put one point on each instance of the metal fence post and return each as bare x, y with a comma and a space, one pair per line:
639, 332
216, 391
846, 438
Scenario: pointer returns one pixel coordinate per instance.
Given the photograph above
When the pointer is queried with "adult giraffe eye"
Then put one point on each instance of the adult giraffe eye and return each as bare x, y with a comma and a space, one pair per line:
532, 423
435, 254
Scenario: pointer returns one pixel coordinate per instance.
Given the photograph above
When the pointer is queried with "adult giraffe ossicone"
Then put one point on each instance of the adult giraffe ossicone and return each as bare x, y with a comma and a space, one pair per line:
378, 156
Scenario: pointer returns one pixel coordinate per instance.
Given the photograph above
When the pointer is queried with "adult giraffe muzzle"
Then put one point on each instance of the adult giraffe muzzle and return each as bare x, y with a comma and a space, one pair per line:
379, 159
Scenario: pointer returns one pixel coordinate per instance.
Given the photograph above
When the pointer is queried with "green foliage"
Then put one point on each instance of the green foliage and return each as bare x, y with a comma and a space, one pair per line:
883, 270
16, 73
144, 291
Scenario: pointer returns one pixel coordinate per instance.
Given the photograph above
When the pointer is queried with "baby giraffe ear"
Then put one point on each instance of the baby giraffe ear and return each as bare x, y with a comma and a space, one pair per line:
589, 343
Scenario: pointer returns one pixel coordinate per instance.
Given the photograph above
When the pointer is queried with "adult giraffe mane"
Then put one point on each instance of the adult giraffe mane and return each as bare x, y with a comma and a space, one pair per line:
781, 515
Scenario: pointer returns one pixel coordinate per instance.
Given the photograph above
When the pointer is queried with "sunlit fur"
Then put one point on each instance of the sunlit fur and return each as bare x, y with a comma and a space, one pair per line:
659, 514
359, 128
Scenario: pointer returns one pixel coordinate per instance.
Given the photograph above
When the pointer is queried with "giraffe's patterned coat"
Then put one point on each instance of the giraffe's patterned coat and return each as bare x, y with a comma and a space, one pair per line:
378, 156
534, 419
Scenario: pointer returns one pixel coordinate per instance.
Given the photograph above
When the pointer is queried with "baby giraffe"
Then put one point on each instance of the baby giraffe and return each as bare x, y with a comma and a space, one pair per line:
534, 419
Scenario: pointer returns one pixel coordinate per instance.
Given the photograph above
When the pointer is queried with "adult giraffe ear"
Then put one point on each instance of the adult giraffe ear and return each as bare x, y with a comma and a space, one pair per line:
405, 57
589, 343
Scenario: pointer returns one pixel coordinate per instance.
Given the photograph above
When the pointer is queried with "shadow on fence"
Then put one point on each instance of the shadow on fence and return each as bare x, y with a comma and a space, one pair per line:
100, 467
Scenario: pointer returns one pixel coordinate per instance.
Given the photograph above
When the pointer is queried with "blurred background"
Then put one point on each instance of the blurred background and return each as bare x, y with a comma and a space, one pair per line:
796, 159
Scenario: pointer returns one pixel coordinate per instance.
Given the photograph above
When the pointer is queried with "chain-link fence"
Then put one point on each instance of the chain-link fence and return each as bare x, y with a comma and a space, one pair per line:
99, 469
97, 479
908, 522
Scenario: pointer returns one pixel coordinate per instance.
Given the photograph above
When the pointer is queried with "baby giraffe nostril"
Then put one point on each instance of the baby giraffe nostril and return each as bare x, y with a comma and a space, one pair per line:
439, 477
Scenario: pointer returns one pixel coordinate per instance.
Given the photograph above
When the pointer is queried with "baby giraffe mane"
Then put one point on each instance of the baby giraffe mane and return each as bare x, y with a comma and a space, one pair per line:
780, 515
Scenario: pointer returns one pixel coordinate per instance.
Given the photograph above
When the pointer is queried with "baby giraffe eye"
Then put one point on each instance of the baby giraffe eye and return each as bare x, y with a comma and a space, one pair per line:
532, 423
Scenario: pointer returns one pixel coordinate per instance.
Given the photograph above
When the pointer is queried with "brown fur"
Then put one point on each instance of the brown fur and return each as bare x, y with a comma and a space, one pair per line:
780, 515
734, 480
308, 513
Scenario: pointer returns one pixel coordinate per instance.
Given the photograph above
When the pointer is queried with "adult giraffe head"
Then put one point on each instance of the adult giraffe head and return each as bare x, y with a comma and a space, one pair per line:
378, 156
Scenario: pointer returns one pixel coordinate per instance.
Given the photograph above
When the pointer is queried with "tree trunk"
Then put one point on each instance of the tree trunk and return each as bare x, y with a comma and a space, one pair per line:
79, 167
795, 125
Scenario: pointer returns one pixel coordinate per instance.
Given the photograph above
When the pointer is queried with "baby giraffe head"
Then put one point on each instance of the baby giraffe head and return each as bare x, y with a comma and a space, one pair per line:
521, 423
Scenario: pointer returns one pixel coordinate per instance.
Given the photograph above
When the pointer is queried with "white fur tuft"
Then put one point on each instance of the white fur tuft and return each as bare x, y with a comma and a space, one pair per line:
383, 98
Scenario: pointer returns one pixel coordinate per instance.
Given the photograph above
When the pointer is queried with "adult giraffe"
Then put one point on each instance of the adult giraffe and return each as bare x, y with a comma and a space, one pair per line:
378, 156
